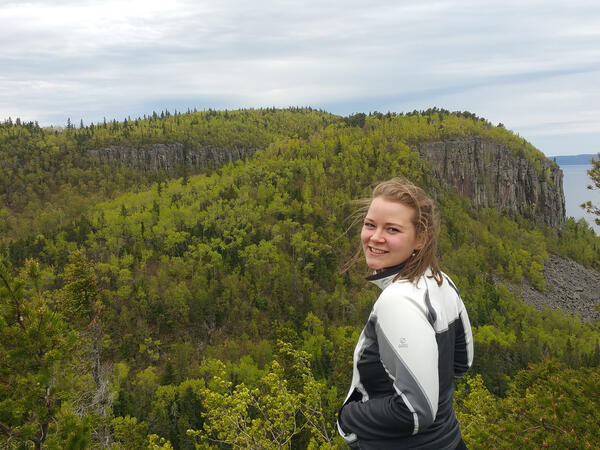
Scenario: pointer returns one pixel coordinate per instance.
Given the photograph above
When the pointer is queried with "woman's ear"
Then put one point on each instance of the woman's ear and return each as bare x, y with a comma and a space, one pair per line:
420, 242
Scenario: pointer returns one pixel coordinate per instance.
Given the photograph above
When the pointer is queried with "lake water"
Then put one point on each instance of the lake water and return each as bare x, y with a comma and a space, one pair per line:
574, 185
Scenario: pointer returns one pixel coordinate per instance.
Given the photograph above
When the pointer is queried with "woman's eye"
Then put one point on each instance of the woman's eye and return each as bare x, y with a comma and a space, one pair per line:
368, 225
393, 230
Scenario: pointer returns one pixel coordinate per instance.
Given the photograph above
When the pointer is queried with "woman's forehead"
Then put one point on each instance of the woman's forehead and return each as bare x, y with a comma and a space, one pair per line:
389, 210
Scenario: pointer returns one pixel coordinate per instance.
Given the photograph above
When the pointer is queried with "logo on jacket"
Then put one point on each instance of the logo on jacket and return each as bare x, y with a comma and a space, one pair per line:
403, 343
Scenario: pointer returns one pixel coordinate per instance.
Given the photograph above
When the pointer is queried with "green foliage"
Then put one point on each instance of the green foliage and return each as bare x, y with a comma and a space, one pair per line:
80, 292
50, 176
35, 346
128, 433
175, 409
178, 289
548, 406
133, 435
594, 174
71, 432
577, 240
284, 410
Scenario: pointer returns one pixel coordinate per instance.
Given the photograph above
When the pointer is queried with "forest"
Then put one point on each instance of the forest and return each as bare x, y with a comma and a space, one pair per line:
206, 307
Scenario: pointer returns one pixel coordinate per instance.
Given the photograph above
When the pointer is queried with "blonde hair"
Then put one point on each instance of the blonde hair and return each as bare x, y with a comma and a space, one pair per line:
425, 220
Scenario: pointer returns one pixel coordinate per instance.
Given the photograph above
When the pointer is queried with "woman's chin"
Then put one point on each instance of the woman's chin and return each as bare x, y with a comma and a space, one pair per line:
375, 265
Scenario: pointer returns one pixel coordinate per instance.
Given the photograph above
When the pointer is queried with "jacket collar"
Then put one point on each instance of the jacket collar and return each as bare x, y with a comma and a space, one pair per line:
384, 278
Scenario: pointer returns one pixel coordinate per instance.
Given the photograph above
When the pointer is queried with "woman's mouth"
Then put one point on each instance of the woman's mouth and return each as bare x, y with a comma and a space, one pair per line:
377, 251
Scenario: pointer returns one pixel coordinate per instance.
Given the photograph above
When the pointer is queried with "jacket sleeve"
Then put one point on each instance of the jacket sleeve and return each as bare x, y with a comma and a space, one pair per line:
376, 418
409, 353
463, 341
463, 344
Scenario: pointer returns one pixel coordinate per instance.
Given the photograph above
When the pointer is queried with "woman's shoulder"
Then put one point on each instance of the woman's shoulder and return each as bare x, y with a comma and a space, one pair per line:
403, 293
402, 285
400, 295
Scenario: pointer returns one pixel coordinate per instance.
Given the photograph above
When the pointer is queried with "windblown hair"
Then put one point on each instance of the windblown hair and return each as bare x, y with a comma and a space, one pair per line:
425, 220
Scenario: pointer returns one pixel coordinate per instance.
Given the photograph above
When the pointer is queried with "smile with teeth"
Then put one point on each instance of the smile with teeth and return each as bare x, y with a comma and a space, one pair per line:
377, 251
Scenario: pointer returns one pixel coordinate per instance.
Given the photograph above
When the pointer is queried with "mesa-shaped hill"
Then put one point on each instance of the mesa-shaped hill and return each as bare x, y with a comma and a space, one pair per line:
48, 177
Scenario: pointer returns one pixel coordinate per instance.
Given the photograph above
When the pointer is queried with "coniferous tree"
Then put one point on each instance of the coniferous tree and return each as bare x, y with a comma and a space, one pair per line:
35, 354
594, 174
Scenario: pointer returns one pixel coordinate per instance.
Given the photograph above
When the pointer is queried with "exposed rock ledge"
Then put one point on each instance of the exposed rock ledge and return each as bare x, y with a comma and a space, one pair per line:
570, 287
486, 172
170, 156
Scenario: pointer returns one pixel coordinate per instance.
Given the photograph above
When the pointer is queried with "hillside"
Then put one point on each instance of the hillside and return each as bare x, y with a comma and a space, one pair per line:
49, 176
140, 300
571, 288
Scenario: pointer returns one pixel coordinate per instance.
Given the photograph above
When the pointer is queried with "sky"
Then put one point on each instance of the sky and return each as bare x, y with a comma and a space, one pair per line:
532, 65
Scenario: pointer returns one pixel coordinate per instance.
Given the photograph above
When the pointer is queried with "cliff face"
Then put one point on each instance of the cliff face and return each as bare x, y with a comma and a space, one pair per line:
482, 170
485, 172
170, 156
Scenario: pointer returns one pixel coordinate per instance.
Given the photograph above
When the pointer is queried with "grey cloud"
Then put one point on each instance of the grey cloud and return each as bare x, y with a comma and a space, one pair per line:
341, 56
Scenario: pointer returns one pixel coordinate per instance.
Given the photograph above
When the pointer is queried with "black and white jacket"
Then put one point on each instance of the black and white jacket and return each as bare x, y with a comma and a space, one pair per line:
416, 341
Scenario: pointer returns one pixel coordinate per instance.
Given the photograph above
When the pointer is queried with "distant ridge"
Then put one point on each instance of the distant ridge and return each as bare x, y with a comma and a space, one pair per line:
572, 160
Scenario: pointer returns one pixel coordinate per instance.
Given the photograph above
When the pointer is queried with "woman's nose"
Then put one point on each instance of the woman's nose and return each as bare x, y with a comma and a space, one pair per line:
377, 236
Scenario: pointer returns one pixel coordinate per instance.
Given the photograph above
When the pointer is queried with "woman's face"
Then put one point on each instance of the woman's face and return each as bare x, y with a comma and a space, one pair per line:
388, 235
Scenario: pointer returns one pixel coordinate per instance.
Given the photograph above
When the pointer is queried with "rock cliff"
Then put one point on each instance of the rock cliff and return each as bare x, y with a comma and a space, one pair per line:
170, 156
486, 172
482, 170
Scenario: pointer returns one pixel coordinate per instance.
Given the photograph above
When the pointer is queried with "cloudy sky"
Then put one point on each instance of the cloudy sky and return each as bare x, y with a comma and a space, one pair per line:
532, 65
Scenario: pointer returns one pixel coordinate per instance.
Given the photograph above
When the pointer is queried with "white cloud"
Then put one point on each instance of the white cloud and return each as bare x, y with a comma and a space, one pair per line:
532, 65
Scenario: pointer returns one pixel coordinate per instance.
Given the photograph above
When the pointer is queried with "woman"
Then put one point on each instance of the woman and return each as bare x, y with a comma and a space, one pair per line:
417, 338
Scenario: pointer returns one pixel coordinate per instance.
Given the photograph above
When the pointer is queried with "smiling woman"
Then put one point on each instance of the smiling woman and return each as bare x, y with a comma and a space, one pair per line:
388, 235
417, 338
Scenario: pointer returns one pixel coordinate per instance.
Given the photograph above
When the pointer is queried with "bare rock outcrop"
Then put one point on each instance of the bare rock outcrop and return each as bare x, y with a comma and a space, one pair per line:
170, 156
490, 176
570, 287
